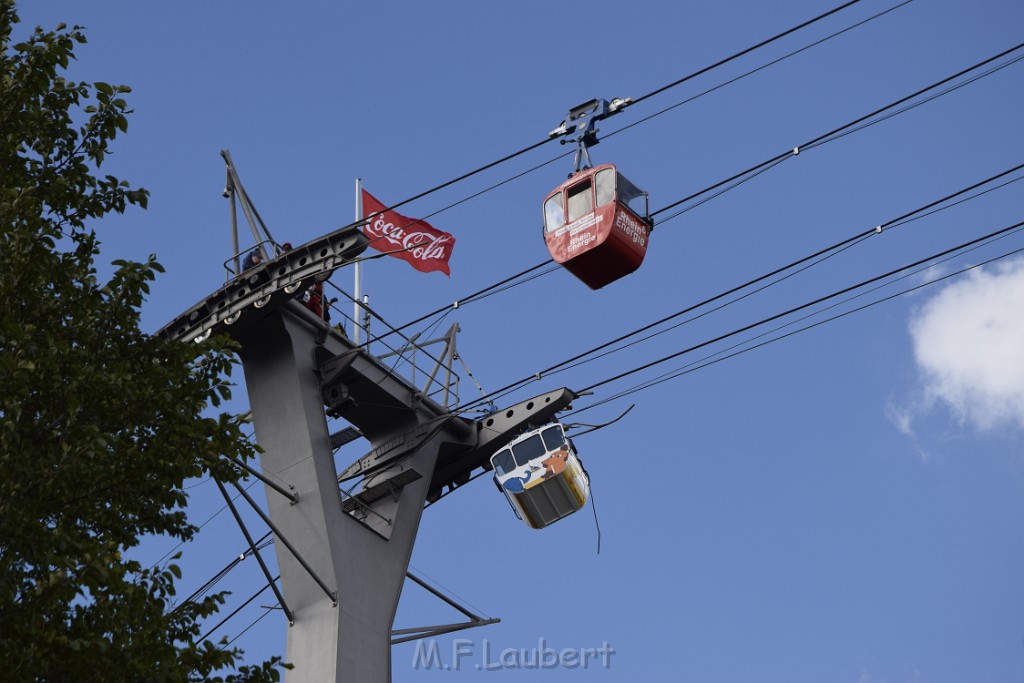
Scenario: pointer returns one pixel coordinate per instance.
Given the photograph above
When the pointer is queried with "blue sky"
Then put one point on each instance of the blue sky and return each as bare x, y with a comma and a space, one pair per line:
843, 505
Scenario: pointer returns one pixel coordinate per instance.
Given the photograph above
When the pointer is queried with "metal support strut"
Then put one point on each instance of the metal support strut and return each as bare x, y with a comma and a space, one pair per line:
256, 552
404, 635
290, 495
333, 595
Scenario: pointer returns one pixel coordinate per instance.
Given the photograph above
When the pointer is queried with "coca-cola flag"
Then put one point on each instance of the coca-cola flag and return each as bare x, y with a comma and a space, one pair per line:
425, 248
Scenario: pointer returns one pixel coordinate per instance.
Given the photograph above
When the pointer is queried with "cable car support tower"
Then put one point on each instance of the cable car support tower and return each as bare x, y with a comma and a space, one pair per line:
343, 539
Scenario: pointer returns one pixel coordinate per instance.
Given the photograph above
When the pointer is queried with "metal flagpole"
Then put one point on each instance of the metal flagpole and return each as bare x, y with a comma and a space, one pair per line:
358, 287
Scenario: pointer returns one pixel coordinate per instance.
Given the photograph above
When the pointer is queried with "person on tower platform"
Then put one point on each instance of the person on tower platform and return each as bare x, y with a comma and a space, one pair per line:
252, 259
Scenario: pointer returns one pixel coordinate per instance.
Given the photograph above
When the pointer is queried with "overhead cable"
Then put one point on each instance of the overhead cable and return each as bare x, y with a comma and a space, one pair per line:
763, 43
801, 307
764, 66
835, 133
745, 346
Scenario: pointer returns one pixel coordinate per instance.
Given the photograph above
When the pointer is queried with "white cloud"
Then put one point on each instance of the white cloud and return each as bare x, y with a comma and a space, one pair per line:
969, 346
932, 273
901, 416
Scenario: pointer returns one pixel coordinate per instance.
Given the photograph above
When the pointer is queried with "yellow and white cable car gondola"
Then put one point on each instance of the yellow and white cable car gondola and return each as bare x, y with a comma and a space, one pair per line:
541, 476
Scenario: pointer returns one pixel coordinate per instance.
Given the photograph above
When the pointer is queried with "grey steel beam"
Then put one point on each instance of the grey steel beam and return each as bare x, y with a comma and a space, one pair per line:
350, 641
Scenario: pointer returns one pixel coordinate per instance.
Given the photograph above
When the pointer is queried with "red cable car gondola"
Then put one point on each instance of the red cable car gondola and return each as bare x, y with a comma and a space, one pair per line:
596, 224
